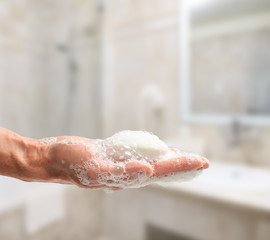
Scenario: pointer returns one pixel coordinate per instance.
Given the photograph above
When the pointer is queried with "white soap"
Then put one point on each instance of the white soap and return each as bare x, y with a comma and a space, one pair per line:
142, 142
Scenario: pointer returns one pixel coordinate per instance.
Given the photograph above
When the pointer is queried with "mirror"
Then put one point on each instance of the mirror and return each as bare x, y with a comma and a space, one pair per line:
227, 61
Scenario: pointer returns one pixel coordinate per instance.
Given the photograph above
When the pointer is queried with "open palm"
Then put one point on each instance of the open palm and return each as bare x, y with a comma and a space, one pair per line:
77, 161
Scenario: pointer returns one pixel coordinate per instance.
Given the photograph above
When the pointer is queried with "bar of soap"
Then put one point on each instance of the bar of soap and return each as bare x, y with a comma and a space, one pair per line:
142, 142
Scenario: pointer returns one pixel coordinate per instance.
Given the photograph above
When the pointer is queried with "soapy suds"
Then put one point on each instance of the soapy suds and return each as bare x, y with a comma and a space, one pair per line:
47, 140
125, 147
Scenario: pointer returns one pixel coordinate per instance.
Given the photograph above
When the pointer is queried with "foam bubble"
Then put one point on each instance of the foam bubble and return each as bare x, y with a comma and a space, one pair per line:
47, 140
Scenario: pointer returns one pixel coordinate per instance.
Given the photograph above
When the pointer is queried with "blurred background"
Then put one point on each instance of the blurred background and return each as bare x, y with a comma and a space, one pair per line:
196, 73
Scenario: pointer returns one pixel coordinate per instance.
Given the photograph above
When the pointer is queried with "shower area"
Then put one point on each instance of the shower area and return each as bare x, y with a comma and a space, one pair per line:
50, 85
51, 67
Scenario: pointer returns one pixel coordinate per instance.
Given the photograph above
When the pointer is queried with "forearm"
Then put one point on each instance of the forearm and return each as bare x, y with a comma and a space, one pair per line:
22, 158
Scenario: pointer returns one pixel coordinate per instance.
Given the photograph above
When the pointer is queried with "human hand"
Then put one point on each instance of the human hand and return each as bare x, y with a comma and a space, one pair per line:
80, 161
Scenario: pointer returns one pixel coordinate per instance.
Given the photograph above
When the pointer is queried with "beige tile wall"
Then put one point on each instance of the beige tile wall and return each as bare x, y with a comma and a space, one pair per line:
36, 99
141, 45
34, 94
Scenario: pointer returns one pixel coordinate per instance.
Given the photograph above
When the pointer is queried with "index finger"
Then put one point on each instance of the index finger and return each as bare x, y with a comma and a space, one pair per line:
180, 164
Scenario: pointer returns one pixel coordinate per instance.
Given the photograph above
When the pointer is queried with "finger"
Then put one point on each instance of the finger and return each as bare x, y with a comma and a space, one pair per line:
192, 156
130, 168
101, 186
111, 168
72, 137
181, 164
116, 169
114, 189
205, 163
133, 168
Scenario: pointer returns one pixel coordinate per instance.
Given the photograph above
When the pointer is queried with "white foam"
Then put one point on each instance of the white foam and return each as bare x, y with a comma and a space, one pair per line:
47, 140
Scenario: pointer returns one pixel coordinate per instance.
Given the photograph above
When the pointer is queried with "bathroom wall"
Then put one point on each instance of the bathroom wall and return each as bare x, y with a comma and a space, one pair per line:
18, 91
50, 85
68, 34
141, 75
50, 67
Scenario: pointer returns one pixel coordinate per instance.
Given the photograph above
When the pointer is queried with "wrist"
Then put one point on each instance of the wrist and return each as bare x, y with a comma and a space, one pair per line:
34, 162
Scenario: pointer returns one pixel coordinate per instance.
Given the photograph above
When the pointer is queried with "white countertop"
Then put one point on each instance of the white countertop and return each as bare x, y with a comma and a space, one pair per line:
239, 185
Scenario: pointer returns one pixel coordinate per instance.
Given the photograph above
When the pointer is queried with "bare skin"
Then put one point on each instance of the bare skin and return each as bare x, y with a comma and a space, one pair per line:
34, 160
